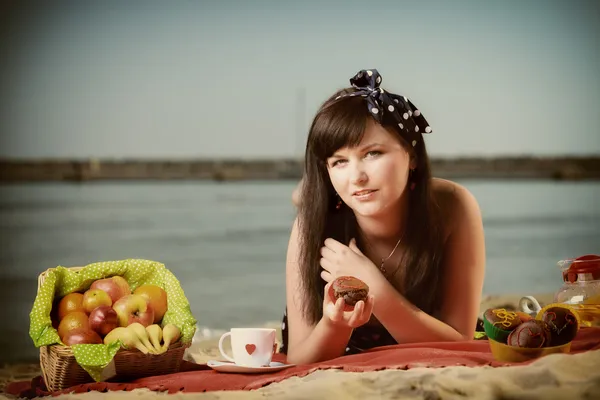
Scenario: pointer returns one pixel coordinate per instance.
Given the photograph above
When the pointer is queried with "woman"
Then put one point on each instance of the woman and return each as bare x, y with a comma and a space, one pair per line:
369, 208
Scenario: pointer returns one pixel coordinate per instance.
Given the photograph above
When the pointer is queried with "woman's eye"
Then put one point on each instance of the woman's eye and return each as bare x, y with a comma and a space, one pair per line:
373, 153
337, 162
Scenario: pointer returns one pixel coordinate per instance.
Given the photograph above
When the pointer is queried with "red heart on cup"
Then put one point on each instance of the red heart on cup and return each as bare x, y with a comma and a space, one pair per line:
250, 348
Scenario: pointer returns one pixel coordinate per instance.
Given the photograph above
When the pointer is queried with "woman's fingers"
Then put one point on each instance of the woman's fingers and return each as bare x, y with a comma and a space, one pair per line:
356, 317
327, 252
326, 264
327, 277
334, 245
337, 310
362, 312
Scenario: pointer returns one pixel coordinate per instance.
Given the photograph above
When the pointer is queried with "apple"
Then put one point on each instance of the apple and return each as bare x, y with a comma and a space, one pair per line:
116, 287
133, 308
103, 319
95, 298
156, 297
81, 336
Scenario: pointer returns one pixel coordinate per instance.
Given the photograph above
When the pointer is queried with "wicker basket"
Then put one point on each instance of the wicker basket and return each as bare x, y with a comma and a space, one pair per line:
60, 369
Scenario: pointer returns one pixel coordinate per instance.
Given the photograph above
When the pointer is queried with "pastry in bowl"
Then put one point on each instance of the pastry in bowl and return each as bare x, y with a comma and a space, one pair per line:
498, 323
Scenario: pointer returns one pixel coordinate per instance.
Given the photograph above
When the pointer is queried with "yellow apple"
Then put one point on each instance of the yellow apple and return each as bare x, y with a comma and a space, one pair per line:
94, 298
133, 308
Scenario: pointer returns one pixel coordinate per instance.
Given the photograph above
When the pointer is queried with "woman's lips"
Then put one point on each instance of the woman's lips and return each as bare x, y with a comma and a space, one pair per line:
364, 194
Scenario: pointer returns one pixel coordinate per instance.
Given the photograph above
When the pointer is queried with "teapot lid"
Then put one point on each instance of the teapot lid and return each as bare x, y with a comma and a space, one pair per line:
584, 268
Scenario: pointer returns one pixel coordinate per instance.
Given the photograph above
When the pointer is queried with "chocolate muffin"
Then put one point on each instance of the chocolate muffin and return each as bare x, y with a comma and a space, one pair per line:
351, 289
532, 334
563, 324
498, 323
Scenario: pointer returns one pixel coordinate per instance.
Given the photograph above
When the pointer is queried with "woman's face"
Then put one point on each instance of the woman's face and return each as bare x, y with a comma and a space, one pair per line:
371, 177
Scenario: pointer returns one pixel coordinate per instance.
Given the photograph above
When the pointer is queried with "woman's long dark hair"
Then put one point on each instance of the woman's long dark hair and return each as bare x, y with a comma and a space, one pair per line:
337, 124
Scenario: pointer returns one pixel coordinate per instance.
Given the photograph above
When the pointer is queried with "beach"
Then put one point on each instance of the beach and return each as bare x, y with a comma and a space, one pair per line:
225, 238
551, 377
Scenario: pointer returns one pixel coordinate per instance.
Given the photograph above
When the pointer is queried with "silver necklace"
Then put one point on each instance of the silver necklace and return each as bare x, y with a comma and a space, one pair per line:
383, 260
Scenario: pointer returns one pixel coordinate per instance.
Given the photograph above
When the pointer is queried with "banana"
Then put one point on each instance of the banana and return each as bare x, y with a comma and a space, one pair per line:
140, 331
127, 337
155, 333
171, 334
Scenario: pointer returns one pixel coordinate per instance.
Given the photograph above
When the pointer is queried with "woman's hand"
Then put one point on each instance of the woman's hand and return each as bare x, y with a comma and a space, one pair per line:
338, 259
335, 313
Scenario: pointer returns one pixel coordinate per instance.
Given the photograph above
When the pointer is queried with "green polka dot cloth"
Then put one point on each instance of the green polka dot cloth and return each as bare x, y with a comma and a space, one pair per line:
60, 281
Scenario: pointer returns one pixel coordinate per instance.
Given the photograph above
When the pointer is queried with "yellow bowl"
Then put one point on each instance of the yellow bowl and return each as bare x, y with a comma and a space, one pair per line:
506, 353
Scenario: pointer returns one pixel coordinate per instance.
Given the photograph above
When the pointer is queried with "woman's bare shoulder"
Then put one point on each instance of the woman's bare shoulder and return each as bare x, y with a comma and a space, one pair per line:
454, 201
446, 189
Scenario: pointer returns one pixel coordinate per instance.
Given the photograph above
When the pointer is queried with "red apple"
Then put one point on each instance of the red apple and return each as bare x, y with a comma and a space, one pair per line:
103, 319
81, 336
133, 308
94, 298
156, 297
122, 283
116, 287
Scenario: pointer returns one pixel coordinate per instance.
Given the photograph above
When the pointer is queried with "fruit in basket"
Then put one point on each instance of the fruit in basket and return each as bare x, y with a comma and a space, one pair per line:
156, 297
155, 334
72, 321
127, 337
94, 298
133, 308
81, 336
142, 334
171, 334
115, 286
70, 303
103, 319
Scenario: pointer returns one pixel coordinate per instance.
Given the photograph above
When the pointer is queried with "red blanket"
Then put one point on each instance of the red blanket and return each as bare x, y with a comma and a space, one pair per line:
200, 378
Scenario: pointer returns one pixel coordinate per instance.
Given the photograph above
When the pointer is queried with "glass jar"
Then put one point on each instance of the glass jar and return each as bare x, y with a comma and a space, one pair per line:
581, 287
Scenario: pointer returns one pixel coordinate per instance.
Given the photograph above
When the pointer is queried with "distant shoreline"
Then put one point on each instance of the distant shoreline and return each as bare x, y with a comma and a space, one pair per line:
548, 168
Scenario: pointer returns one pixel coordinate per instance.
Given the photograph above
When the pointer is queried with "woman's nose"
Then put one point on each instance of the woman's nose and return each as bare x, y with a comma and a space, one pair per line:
358, 175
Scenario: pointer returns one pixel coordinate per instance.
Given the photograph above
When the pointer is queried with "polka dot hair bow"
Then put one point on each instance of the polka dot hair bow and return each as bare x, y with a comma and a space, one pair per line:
409, 120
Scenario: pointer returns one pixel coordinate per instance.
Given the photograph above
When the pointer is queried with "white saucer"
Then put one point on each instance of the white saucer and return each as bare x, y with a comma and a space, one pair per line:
226, 366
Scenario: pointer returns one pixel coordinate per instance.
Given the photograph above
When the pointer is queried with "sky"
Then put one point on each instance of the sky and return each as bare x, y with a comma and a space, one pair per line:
243, 79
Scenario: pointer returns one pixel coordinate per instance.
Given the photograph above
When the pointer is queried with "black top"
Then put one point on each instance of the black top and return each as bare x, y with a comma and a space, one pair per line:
363, 338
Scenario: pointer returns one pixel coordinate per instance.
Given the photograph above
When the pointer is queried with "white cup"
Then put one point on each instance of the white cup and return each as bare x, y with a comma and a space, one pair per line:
526, 301
251, 347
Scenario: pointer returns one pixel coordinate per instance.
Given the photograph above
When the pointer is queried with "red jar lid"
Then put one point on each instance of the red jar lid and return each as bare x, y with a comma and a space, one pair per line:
584, 268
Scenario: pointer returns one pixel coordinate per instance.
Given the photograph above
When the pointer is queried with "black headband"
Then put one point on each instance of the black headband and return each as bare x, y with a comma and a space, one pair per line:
408, 119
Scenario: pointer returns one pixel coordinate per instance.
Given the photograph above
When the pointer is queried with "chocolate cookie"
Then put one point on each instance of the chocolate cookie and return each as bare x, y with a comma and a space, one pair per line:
563, 324
498, 323
532, 334
351, 289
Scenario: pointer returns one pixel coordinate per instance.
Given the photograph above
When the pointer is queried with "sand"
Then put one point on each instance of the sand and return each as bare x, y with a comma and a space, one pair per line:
556, 376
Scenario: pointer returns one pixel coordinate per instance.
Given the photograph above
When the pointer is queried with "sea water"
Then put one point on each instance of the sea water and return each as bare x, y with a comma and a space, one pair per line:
227, 242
